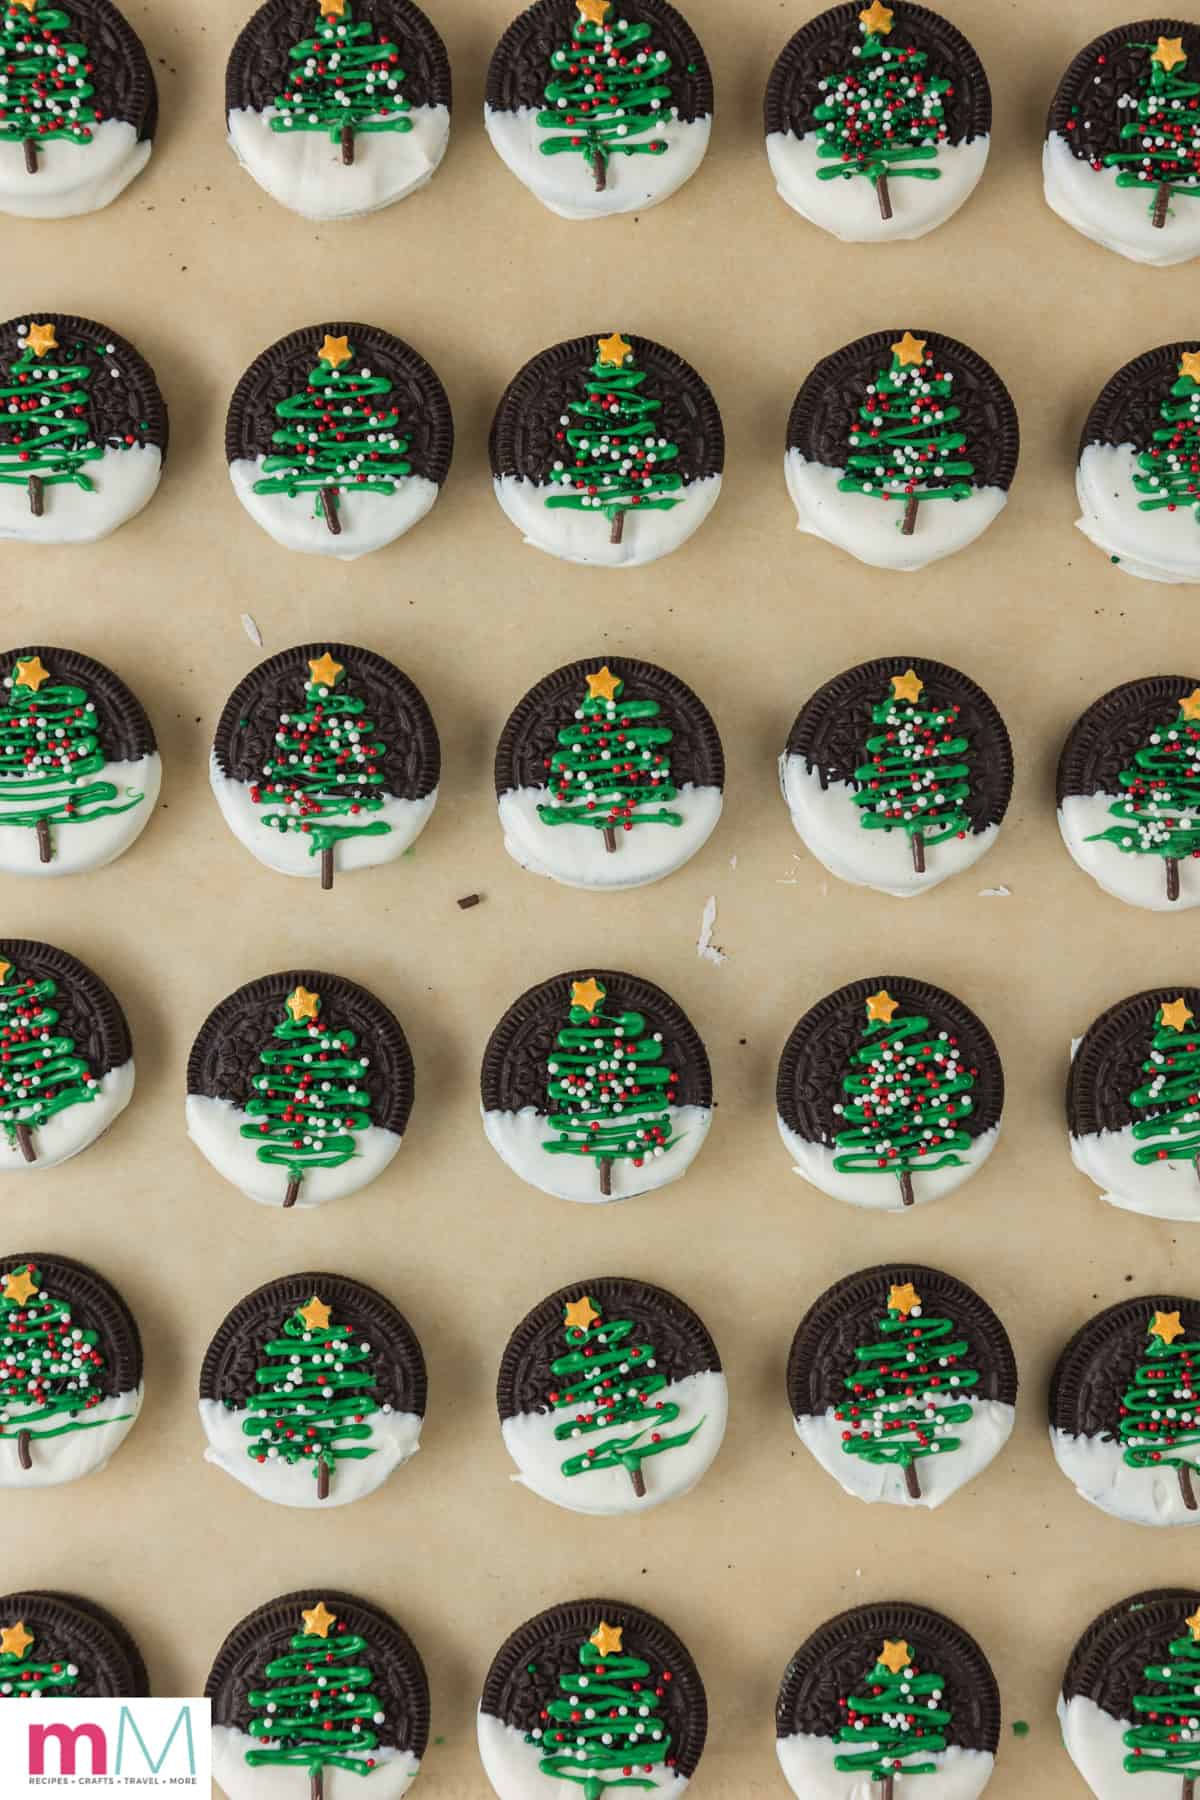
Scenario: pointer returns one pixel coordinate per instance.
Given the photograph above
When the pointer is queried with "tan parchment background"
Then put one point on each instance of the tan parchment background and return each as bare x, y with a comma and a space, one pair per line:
201, 271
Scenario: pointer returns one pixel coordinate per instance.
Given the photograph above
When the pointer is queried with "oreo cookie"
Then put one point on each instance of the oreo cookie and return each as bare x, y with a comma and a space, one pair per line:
611, 1397
79, 765
599, 108
889, 1093
325, 758
1125, 1410
878, 121
368, 1713
299, 1087
61, 1647
1133, 1103
337, 109
596, 1086
70, 1370
312, 1391
66, 1059
607, 450
338, 439
901, 448
83, 430
1121, 162
882, 1693
537, 1718
902, 1383
898, 774
1127, 1699
1135, 480
609, 774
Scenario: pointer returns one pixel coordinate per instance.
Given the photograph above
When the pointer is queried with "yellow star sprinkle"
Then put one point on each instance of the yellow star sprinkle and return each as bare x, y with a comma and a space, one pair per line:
315, 1314
30, 673
579, 1314
881, 1006
587, 994
1169, 52
895, 1656
613, 349
334, 351
41, 337
876, 18
15, 1640
1176, 1015
323, 671
907, 686
1189, 364
332, 9
607, 1639
910, 349
318, 1620
903, 1299
1166, 1326
19, 1285
1194, 1622
5, 971
303, 1005
593, 11
603, 684
31, 4
1190, 705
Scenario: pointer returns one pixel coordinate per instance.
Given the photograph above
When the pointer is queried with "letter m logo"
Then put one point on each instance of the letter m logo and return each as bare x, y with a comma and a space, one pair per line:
183, 1720
67, 1737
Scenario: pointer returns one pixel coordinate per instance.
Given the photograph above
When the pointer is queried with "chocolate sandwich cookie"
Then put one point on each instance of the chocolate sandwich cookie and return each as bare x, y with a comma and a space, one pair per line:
611, 1397
61, 1647
338, 107
338, 439
325, 758
598, 107
70, 1370
83, 430
901, 448
889, 1093
884, 1692
366, 1716
596, 1086
313, 1391
1127, 1704
596, 1694
66, 1059
878, 121
1121, 162
1125, 1410
897, 774
1138, 454
607, 450
299, 1087
902, 1383
1133, 1103
79, 766
609, 774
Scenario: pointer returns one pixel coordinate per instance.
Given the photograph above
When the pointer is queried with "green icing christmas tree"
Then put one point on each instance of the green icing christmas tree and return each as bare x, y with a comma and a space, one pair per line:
905, 447
609, 87
603, 1730
306, 1107
898, 1725
51, 1368
1159, 808
609, 1089
345, 80
1164, 1739
1160, 1423
611, 770
318, 1710
605, 1382
315, 1391
884, 117
1168, 473
906, 1090
1161, 142
1166, 1105
46, 91
340, 435
323, 778
610, 454
917, 776
23, 1679
910, 1391
41, 1070
46, 434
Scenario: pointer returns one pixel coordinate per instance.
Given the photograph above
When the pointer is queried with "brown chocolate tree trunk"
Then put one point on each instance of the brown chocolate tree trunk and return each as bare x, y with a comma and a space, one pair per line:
327, 868
1185, 1486
322, 1480
31, 161
917, 843
293, 1191
347, 144
618, 529
1172, 865
1162, 201
25, 1143
329, 508
888, 1790
316, 1787
638, 1480
884, 195
610, 839
600, 170
906, 1189
45, 851
23, 1456
37, 495
605, 1169
909, 524
912, 1481
1188, 1791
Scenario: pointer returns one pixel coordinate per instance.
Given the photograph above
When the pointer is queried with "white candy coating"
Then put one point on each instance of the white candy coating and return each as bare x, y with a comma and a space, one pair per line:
1136, 877
1119, 218
575, 854
214, 1126
1097, 1469
807, 1764
393, 1775
288, 852
870, 529
368, 521
849, 206
582, 536
1095, 1742
123, 482
75, 1453
512, 1767
87, 843
72, 178
395, 1438
983, 1437
518, 1138
68, 1132
1156, 546
304, 170
882, 1192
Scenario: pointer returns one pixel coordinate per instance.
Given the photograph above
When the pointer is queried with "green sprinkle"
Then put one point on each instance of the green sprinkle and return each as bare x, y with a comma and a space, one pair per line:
1020, 1728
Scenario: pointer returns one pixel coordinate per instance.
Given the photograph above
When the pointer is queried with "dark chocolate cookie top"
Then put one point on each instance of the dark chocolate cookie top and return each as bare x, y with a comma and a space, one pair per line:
524, 439
120, 75
520, 65
828, 43
841, 1655
847, 1315
526, 1671
530, 737
283, 370
397, 1674
1108, 1664
259, 67
1104, 740
1129, 407
95, 1306
1097, 1365
1107, 1064
245, 736
681, 1343
817, 1055
66, 1629
88, 1012
1086, 111
514, 1063
121, 725
123, 403
825, 411
832, 728
236, 1351
225, 1056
